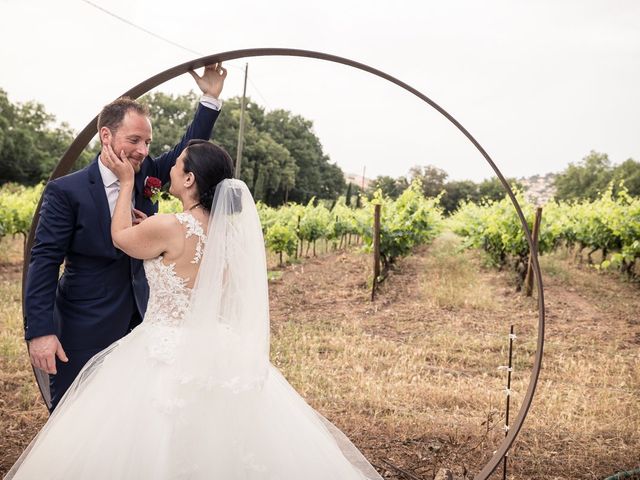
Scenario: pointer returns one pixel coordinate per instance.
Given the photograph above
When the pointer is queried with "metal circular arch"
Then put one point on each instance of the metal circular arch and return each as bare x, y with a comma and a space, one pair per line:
85, 136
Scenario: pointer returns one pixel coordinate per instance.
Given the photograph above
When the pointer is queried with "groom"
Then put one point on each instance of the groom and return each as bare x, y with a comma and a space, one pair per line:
102, 293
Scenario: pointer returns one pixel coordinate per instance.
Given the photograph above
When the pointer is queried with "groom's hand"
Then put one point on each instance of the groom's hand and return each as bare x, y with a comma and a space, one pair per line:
43, 352
137, 216
212, 80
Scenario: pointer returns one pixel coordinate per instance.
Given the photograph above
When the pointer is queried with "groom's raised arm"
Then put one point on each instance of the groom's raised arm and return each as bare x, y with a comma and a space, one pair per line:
211, 83
201, 128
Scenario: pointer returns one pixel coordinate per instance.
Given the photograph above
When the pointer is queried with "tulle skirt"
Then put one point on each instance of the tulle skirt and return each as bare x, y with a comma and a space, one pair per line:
126, 417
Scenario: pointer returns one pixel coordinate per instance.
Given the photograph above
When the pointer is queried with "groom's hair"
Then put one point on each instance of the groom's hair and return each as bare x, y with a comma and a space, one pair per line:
112, 115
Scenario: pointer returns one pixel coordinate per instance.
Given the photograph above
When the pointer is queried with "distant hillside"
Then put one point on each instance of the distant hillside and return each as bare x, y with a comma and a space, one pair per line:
357, 179
539, 189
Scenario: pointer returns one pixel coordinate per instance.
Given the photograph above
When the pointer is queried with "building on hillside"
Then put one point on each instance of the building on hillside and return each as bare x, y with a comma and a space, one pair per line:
539, 189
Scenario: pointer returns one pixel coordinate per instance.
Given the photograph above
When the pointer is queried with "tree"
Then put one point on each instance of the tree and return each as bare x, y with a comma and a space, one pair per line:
432, 179
629, 173
390, 187
352, 195
332, 178
492, 189
282, 157
456, 192
281, 154
466, 190
267, 166
316, 176
170, 116
31, 142
347, 195
586, 179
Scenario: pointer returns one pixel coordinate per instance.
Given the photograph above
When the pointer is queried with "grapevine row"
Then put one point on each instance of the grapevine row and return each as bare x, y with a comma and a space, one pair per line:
406, 222
610, 224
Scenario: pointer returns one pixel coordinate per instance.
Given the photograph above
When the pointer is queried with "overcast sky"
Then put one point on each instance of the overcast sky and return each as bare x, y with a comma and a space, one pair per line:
538, 83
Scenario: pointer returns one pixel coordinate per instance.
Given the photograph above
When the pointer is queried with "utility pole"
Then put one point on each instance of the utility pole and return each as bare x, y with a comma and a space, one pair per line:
241, 129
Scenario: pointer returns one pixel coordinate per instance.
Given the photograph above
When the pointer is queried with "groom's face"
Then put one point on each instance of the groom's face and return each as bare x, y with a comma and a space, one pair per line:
133, 136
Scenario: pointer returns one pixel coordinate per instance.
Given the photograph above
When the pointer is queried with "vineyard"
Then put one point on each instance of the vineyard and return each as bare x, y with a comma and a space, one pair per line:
17, 204
292, 230
610, 224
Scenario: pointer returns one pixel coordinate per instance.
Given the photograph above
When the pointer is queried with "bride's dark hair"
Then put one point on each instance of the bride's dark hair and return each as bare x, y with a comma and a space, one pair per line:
210, 164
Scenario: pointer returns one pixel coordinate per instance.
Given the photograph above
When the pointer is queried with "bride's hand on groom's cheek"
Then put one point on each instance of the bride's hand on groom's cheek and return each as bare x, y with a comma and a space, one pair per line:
119, 165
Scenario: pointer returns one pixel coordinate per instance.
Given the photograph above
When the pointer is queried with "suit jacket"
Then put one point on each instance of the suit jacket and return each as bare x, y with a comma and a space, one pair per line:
101, 289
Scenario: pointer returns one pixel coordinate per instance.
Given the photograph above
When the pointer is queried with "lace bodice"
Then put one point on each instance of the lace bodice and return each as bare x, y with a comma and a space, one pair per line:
169, 295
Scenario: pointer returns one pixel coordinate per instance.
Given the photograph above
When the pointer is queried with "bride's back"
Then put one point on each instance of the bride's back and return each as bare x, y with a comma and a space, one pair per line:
187, 244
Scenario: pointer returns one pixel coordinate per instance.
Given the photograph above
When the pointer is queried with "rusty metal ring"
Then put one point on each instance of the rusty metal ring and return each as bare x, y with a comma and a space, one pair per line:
85, 136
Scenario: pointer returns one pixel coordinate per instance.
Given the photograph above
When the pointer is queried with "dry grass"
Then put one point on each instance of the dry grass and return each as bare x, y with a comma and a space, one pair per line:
412, 379
452, 275
21, 410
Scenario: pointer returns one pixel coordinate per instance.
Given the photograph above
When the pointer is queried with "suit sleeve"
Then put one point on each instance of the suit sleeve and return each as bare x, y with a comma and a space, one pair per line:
52, 239
201, 128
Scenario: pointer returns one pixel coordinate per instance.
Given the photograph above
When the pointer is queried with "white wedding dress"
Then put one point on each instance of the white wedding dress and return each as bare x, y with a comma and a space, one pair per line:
190, 393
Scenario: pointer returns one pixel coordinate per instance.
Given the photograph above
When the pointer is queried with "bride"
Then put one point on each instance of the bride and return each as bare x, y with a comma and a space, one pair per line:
190, 393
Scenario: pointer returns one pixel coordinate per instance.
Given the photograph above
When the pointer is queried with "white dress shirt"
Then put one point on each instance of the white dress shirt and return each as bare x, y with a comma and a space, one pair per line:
111, 182
211, 102
111, 185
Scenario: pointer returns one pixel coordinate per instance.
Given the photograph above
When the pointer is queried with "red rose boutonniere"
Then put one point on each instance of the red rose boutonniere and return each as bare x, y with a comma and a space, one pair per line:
152, 186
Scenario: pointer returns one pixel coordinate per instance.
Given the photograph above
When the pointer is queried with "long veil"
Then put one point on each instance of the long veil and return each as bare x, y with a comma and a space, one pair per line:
225, 339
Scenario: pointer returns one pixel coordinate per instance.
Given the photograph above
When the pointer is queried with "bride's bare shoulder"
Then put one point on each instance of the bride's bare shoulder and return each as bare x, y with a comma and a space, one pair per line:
166, 218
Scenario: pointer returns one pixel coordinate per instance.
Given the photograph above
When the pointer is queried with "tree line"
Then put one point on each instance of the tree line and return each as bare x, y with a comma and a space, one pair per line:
282, 160
433, 181
585, 180
31, 142
591, 176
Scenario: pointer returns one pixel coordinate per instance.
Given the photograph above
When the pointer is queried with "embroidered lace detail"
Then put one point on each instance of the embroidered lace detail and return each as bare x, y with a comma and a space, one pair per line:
169, 298
169, 295
163, 342
193, 228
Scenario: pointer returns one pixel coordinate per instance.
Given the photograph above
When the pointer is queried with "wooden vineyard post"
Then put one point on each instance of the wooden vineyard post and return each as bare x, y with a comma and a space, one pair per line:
528, 281
509, 369
298, 240
376, 250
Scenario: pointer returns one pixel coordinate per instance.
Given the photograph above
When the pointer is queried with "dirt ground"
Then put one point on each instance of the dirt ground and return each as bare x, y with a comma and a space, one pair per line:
412, 378
561, 438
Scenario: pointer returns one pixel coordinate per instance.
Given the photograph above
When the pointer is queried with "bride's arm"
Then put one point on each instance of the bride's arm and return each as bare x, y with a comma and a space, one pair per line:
149, 238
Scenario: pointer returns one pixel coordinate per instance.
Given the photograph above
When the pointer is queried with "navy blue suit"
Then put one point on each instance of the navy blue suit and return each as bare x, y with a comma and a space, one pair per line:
102, 293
